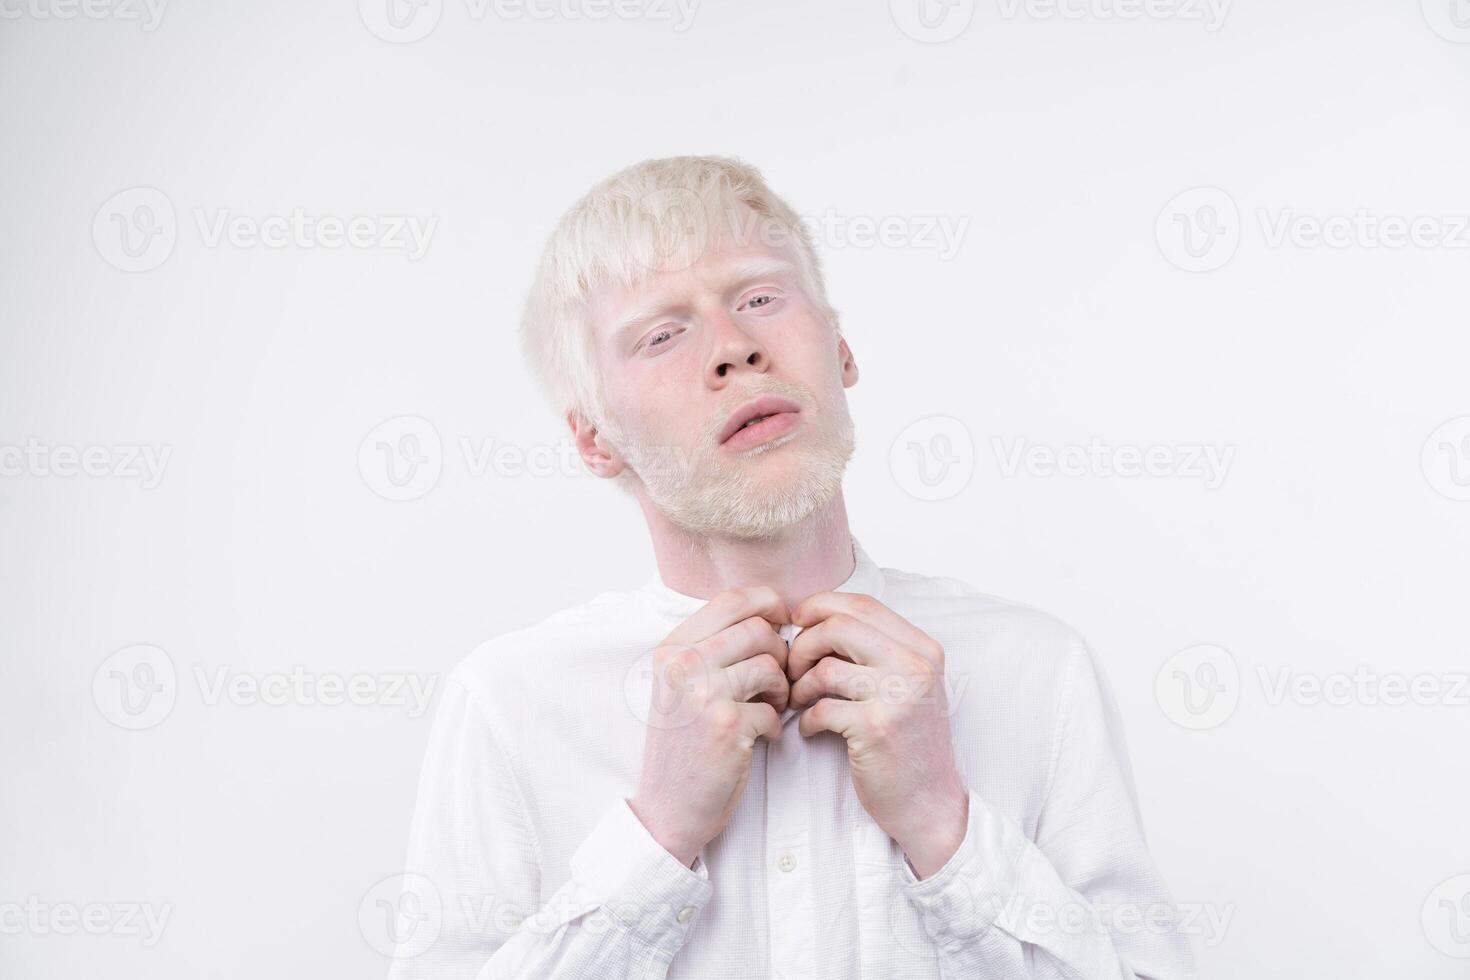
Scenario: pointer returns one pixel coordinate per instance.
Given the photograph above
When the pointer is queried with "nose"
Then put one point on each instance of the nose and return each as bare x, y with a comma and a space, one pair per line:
733, 350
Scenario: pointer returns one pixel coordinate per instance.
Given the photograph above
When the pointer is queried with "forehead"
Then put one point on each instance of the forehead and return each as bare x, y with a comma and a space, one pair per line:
725, 265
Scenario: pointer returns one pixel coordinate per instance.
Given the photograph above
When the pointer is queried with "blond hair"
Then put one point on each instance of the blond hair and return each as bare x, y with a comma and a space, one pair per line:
657, 214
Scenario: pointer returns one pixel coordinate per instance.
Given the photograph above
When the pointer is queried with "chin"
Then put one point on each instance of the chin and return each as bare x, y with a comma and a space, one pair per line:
753, 499
766, 448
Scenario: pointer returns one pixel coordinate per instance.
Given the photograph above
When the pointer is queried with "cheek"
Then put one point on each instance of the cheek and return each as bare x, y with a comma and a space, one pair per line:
819, 346
661, 415
822, 366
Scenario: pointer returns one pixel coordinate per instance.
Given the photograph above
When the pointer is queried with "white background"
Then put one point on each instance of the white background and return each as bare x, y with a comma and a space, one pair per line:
1332, 546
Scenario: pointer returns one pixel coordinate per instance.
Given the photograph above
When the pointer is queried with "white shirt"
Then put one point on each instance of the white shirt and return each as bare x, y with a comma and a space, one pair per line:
526, 861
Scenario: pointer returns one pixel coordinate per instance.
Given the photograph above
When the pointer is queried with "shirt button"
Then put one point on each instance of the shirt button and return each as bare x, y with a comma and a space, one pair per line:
787, 862
686, 913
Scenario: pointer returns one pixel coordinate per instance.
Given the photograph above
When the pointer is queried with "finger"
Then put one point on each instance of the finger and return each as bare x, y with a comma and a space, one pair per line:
824, 605
833, 675
761, 678
845, 636
829, 715
742, 641
729, 608
761, 720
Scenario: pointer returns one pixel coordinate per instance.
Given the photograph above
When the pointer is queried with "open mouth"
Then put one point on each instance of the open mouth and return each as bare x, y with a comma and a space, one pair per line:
759, 421
758, 418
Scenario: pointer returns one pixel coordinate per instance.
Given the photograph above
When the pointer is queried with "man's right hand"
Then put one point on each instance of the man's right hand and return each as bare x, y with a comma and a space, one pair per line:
719, 683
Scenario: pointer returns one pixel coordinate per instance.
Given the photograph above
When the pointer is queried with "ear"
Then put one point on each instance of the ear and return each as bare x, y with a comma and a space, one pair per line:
599, 459
848, 362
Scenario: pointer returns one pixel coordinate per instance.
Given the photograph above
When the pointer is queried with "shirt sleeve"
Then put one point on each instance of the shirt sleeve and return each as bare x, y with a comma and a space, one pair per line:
1083, 901
474, 874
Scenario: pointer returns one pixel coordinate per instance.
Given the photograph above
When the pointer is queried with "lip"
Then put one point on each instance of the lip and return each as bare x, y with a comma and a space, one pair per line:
769, 428
772, 405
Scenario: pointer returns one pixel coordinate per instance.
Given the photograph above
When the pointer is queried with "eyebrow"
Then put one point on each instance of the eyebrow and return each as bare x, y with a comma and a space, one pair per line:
741, 272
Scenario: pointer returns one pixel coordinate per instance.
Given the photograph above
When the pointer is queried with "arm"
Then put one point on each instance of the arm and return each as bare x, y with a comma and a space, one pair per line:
622, 913
1084, 900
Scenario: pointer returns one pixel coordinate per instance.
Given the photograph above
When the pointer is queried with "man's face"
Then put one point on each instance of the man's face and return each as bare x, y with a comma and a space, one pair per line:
682, 356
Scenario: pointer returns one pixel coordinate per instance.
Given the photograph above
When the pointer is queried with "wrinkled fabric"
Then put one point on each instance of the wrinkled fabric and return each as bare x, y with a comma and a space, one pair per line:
526, 861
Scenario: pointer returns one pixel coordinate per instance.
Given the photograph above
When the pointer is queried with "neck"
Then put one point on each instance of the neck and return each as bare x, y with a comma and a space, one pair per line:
813, 555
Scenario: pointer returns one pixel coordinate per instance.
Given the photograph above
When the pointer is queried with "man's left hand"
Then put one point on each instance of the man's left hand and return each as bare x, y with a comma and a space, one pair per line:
895, 718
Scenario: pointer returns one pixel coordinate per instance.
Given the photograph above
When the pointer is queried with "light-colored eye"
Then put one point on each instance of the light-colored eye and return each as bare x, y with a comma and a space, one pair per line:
659, 337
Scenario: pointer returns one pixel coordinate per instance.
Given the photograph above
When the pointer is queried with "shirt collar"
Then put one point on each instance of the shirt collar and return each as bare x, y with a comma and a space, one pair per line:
866, 578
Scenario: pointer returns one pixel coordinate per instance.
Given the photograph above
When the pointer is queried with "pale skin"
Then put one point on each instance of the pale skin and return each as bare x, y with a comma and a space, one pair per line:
731, 325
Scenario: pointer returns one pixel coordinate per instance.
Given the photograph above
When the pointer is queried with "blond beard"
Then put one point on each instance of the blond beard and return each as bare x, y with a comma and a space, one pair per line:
707, 495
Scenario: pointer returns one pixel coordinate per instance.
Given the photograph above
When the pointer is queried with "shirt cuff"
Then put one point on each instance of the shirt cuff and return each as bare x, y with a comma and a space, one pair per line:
644, 888
969, 892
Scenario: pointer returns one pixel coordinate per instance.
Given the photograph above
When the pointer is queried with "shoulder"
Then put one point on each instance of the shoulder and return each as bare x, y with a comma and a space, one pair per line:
506, 673
976, 623
947, 596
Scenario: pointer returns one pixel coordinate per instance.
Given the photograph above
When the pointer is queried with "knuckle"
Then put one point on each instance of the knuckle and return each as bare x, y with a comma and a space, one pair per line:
882, 727
686, 658
755, 629
915, 665
724, 716
759, 593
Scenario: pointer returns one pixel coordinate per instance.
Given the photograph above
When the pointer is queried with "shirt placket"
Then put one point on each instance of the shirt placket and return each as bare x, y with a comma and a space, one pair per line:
790, 889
